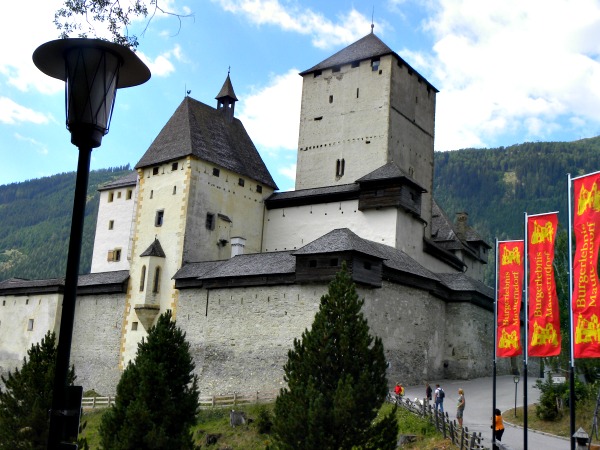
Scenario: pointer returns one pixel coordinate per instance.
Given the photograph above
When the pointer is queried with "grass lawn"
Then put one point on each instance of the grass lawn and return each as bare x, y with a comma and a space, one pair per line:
216, 422
583, 418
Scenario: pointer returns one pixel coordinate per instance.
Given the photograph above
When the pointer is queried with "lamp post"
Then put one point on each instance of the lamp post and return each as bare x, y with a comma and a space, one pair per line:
516, 380
92, 70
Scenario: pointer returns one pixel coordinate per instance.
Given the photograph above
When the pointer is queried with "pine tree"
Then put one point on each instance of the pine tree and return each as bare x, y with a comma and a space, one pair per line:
336, 381
157, 395
27, 398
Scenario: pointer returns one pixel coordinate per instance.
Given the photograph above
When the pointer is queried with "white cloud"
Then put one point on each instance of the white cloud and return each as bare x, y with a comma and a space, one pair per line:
161, 66
272, 113
289, 172
325, 33
41, 147
513, 67
12, 113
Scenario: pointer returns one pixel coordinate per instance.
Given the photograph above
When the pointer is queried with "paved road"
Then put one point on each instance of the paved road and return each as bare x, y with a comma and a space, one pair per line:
477, 415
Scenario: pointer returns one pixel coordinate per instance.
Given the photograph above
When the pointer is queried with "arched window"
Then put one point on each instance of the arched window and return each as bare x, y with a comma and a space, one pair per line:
156, 285
143, 279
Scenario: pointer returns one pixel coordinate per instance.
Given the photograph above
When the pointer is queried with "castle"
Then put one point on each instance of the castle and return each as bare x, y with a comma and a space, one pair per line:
199, 228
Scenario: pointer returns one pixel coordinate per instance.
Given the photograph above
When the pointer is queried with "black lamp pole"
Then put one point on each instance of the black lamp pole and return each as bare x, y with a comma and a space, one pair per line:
92, 70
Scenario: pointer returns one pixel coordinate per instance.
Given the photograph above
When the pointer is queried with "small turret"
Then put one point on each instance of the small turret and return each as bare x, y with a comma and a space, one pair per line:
226, 99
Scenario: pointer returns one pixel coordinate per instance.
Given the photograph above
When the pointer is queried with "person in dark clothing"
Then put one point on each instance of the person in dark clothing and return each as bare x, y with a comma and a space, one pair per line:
428, 392
498, 427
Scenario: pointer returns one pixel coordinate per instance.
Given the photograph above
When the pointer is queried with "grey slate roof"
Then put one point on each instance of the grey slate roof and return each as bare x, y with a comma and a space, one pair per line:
462, 282
396, 259
340, 240
155, 249
206, 133
56, 284
389, 171
254, 264
128, 180
367, 47
92, 279
315, 192
227, 90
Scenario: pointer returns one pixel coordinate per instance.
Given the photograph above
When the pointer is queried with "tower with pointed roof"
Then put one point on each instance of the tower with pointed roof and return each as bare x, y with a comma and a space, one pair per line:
201, 187
362, 108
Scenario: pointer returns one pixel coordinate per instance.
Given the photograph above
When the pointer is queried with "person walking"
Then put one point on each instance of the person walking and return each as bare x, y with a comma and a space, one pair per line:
428, 392
498, 427
460, 407
439, 395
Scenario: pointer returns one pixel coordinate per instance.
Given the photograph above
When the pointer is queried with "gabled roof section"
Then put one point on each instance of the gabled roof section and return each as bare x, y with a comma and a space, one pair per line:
128, 180
198, 130
389, 172
367, 47
155, 249
340, 240
227, 90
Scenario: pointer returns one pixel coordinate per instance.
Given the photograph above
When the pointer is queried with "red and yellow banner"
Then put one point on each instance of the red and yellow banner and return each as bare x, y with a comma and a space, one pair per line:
586, 216
544, 315
510, 287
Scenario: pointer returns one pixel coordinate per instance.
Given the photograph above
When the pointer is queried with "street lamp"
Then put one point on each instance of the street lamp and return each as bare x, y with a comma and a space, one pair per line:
92, 70
516, 380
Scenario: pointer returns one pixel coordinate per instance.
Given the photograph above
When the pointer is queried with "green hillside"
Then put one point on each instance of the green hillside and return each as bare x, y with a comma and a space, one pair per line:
495, 186
35, 221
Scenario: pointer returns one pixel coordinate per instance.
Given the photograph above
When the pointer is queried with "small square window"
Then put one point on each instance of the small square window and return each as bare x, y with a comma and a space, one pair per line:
259, 188
152, 193
27, 301
174, 190
111, 197
355, 64
119, 194
216, 172
30, 325
317, 73
335, 69
375, 64
333, 262
174, 166
111, 224
134, 326
117, 255
129, 194
155, 171
158, 220
3, 302
331, 99
241, 182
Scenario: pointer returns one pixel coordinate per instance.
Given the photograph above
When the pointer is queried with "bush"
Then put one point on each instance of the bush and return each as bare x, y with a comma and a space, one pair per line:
552, 396
264, 421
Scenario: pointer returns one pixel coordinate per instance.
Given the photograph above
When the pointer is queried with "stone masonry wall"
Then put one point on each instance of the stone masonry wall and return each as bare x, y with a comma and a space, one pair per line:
96, 342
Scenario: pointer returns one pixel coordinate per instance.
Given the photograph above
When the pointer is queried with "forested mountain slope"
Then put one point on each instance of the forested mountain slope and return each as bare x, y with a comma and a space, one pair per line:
35, 223
497, 186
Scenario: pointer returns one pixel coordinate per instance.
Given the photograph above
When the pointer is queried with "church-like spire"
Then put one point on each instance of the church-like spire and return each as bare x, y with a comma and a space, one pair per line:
226, 98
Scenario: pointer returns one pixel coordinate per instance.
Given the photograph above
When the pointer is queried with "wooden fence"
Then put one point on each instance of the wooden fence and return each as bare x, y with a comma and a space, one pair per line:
461, 437
208, 401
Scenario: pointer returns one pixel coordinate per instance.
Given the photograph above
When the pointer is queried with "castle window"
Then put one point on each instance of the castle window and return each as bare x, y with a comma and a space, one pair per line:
152, 193
134, 326
174, 166
375, 64
241, 182
30, 325
155, 171
27, 301
129, 194
210, 221
156, 284
143, 279
333, 262
312, 263
119, 194
111, 197
331, 99
111, 224
367, 265
216, 172
317, 73
114, 255
319, 118
174, 190
356, 92
259, 188
158, 220
336, 69
340, 167
355, 64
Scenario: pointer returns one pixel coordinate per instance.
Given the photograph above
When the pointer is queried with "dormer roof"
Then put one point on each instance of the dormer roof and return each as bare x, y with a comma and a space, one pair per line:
196, 129
155, 249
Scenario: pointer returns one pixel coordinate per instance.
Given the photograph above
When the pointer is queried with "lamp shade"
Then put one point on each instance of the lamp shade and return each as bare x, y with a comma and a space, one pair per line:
92, 70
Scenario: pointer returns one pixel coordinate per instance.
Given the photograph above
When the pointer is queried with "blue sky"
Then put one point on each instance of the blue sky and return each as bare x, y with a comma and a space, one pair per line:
508, 72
